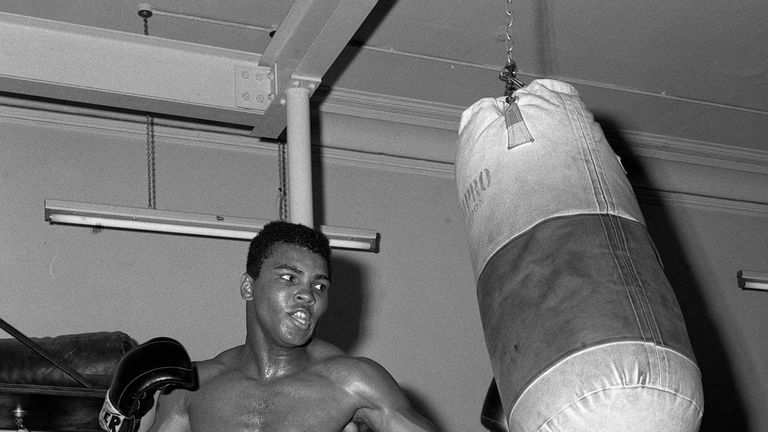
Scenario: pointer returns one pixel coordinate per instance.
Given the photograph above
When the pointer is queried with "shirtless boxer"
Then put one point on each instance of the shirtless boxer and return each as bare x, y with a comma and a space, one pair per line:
282, 379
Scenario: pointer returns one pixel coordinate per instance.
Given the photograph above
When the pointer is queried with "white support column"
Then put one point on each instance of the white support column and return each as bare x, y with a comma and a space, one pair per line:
300, 206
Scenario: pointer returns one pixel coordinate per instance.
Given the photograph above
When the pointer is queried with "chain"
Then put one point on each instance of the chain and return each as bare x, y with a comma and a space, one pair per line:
151, 194
281, 191
145, 13
508, 73
508, 32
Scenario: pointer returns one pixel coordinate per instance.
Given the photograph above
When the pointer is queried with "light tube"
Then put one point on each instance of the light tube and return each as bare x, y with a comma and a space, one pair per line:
753, 280
195, 224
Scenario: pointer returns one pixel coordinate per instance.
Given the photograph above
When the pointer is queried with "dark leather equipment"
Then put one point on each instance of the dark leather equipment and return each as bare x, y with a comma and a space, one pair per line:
52, 399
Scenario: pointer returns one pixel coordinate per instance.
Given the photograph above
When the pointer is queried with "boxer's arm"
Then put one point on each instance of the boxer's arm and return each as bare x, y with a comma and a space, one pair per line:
384, 407
171, 412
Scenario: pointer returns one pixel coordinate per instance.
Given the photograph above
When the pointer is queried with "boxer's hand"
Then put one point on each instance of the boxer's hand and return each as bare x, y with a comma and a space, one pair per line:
151, 366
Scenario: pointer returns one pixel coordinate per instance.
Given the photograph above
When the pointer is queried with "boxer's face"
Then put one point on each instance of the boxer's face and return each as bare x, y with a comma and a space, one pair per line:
291, 294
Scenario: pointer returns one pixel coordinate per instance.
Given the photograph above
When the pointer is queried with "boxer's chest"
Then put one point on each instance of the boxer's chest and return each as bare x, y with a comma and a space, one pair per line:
299, 404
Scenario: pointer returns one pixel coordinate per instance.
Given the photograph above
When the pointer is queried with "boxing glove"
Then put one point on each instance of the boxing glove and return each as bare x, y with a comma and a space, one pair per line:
160, 363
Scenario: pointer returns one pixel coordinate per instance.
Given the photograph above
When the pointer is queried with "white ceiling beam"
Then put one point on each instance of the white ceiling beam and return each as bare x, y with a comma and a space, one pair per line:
83, 64
310, 38
77, 63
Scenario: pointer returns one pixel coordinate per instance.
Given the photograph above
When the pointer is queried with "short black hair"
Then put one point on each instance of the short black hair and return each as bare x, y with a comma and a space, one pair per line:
276, 232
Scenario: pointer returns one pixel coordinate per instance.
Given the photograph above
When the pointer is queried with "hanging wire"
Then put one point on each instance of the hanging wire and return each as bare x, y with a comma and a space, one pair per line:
282, 192
151, 183
508, 73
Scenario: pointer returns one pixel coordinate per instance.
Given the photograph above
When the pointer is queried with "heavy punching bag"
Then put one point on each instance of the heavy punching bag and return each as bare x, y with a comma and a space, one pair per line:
583, 330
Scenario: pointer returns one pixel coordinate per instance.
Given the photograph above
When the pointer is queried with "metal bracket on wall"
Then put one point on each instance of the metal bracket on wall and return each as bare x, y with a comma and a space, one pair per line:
752, 280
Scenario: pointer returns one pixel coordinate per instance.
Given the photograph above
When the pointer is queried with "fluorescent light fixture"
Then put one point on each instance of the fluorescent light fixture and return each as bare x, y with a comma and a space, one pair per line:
752, 280
141, 219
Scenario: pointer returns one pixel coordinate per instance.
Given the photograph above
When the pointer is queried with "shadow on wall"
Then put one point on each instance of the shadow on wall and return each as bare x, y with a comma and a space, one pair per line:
419, 405
723, 404
341, 324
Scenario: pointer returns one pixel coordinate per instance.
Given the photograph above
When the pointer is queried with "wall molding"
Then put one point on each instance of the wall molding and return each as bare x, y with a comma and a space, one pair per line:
396, 110
441, 116
697, 152
176, 132
683, 199
389, 162
129, 125
375, 106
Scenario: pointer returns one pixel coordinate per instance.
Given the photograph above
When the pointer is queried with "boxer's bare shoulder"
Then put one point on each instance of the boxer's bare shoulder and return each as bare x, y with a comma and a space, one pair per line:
331, 391
172, 409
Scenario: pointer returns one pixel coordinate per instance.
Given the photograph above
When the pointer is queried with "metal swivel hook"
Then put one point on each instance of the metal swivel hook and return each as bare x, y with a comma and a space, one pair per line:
508, 74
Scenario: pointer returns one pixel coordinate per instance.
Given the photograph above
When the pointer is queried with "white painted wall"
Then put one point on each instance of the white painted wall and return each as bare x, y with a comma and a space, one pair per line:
411, 306
703, 247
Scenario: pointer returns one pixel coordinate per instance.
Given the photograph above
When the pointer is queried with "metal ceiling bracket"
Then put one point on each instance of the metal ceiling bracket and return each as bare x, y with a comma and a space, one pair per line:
253, 87
309, 83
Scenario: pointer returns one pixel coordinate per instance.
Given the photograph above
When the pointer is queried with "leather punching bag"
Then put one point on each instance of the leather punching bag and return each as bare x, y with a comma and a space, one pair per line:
583, 330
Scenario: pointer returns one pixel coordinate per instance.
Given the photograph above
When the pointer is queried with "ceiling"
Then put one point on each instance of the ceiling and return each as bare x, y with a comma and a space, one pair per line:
692, 70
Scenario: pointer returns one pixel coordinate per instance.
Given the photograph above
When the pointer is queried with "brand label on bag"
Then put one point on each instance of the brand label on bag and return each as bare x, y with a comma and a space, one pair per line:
474, 194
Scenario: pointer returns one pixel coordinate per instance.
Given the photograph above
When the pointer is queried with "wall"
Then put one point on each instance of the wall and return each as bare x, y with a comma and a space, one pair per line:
411, 306
703, 247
